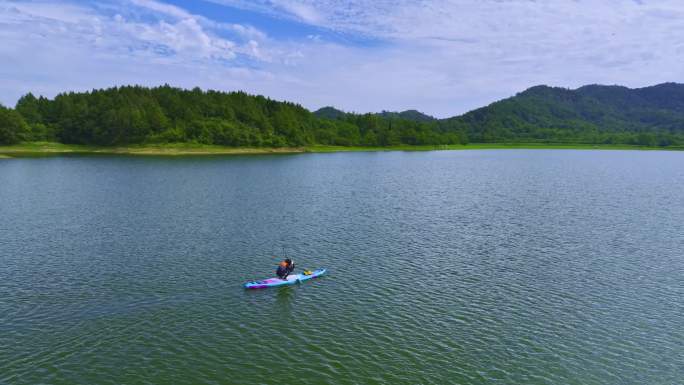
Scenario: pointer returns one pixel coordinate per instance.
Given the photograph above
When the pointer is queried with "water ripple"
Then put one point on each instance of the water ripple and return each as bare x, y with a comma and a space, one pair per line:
479, 267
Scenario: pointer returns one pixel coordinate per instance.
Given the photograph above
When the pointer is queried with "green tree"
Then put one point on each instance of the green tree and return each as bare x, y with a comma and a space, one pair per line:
13, 128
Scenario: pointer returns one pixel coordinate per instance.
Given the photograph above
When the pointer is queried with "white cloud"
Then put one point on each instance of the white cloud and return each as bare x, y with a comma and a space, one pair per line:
440, 56
472, 52
305, 12
50, 47
167, 9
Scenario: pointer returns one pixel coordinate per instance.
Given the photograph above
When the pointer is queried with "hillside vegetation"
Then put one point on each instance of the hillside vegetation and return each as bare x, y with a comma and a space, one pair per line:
138, 115
591, 114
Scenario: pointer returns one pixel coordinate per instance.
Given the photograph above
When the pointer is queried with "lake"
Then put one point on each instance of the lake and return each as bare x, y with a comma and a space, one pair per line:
459, 267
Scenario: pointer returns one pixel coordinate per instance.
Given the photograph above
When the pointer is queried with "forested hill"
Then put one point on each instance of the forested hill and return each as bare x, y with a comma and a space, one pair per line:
591, 114
132, 115
413, 115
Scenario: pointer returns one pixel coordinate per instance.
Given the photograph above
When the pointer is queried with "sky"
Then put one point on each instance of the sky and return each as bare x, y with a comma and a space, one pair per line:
441, 57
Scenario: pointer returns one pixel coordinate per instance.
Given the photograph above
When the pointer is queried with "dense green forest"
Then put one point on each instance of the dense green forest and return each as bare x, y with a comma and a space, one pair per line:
139, 115
132, 115
591, 114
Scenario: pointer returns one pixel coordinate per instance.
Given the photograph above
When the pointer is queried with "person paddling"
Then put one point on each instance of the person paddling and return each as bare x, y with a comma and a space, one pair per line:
285, 268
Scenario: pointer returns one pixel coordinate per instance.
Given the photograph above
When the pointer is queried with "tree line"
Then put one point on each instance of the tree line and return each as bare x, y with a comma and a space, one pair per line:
594, 114
140, 115
136, 115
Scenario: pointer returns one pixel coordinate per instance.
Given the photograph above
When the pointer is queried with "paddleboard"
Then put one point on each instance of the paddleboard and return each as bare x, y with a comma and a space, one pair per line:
291, 279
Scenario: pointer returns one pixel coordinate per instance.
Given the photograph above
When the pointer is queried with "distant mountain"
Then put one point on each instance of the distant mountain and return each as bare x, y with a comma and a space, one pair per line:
329, 113
412, 115
593, 113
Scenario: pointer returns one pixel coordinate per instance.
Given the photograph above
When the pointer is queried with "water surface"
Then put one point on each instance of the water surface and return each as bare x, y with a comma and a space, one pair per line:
466, 267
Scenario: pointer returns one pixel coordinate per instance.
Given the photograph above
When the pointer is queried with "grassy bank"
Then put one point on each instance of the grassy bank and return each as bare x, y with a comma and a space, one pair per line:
36, 149
48, 148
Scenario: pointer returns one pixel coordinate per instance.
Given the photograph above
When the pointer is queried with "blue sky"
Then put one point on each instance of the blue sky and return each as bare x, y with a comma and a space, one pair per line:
443, 57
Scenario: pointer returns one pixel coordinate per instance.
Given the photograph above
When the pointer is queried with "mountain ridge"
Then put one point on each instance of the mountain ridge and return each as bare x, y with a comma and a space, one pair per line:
609, 114
656, 112
330, 112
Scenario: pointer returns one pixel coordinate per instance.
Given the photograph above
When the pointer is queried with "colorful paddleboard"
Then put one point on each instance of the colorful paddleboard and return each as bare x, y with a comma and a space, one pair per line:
291, 279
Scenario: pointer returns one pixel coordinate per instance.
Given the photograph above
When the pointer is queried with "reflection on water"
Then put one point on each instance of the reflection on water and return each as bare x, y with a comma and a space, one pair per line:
284, 299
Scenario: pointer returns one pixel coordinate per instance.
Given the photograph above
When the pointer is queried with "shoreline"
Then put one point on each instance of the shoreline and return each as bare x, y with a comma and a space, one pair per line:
41, 149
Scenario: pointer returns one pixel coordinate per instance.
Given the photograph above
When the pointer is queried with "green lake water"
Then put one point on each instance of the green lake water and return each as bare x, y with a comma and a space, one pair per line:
452, 267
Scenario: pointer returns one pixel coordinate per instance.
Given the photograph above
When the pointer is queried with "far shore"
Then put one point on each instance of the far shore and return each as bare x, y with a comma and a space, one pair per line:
38, 149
